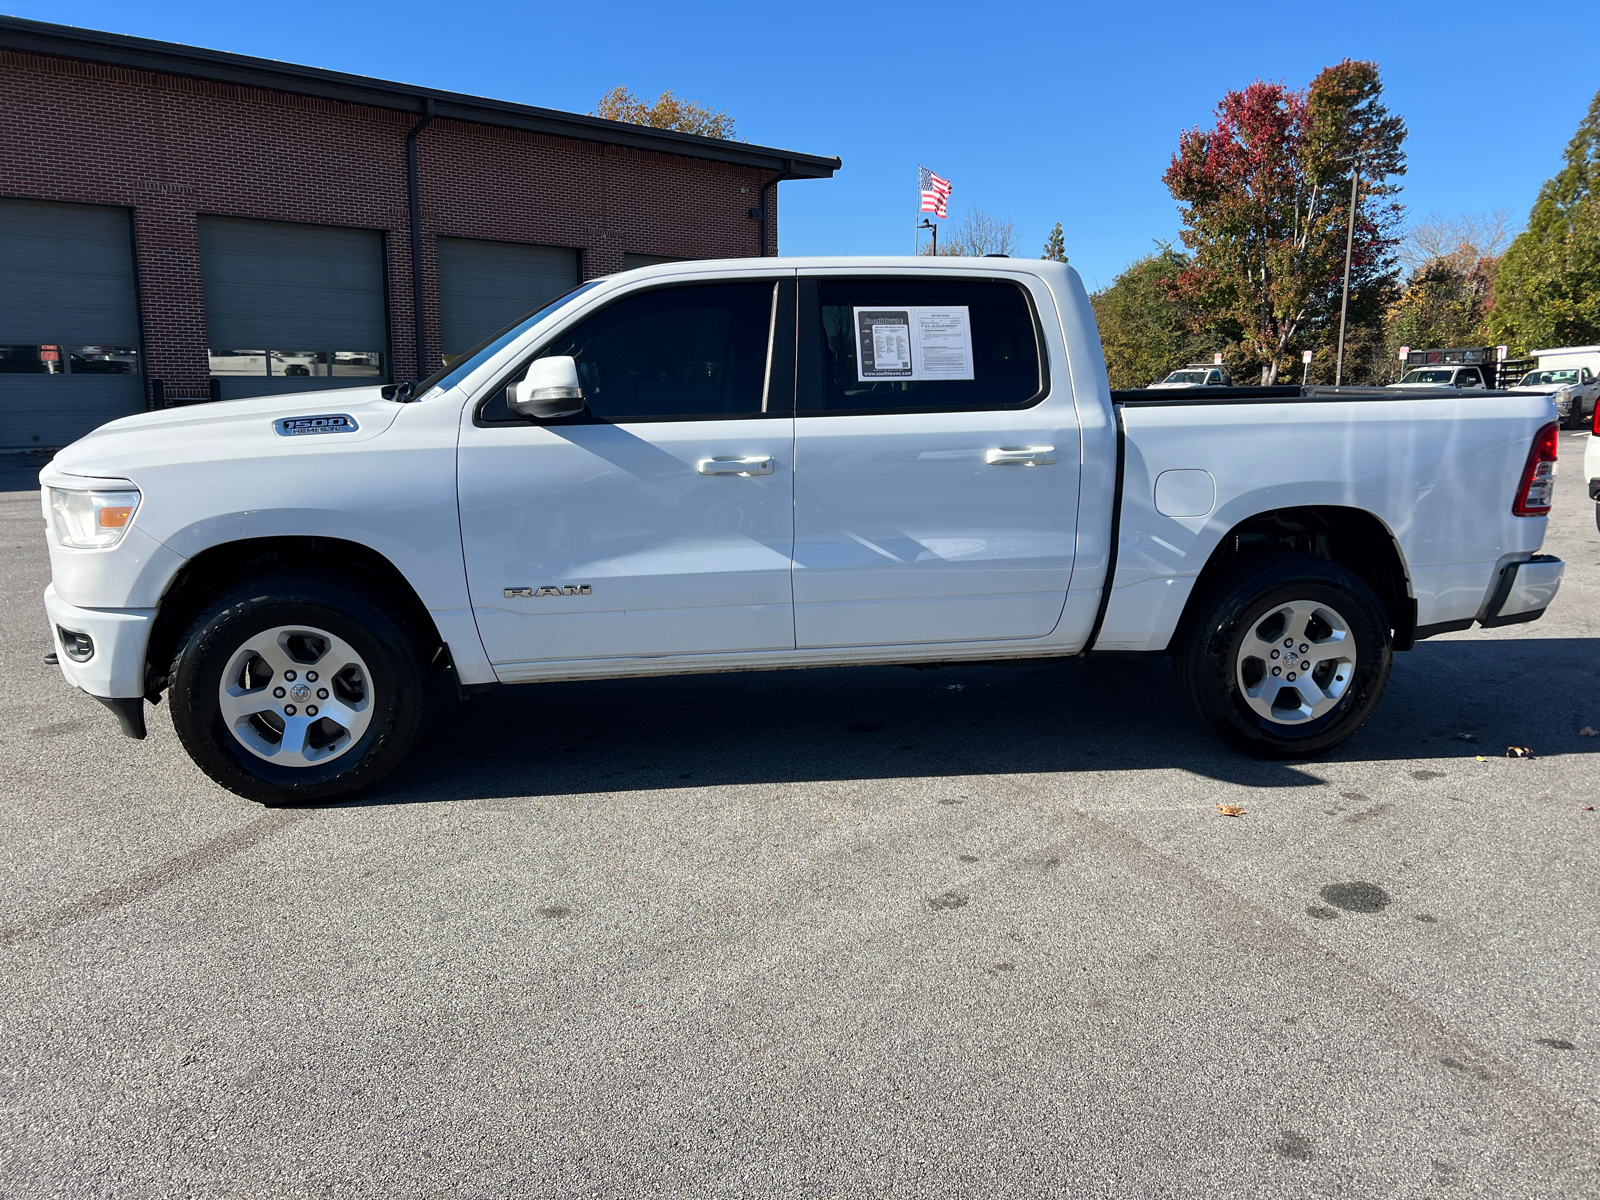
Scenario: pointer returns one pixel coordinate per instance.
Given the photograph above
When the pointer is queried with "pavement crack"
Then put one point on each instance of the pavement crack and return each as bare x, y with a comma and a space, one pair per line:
1429, 1025
152, 879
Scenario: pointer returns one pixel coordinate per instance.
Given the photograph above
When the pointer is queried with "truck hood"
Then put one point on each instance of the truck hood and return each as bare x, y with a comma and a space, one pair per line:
224, 429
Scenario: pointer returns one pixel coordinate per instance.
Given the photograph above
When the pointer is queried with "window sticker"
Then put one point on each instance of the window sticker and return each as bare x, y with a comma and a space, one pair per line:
919, 343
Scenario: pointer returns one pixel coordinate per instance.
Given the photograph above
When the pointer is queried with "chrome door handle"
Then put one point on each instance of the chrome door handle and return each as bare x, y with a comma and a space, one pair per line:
1028, 456
753, 465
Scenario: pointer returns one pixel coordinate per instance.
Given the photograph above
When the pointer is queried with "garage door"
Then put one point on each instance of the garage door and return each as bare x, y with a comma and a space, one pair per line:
293, 307
69, 322
485, 286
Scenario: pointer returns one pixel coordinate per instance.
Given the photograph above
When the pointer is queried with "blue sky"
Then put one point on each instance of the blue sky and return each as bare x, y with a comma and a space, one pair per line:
1035, 112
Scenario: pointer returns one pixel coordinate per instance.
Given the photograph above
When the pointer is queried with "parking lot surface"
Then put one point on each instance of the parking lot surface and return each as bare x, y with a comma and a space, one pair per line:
976, 931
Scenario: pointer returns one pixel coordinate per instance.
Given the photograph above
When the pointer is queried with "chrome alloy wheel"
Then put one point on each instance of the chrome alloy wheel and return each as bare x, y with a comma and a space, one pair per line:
1295, 663
296, 696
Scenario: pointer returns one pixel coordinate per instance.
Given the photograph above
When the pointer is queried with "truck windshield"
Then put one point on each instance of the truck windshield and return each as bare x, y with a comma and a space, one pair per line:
1186, 377
457, 369
1536, 378
1427, 377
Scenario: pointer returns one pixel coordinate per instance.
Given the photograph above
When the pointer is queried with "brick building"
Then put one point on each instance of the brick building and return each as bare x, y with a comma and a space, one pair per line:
180, 224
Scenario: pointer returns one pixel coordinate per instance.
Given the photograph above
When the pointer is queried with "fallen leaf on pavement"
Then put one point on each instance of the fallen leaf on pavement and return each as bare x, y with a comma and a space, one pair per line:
1588, 808
1587, 732
1229, 810
1480, 758
1518, 752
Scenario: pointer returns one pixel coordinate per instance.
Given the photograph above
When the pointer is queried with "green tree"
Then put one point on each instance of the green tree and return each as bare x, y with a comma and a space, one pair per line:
1266, 197
1547, 292
1055, 246
1144, 331
666, 112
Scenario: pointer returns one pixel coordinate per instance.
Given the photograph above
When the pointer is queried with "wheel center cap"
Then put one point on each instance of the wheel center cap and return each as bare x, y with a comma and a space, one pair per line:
300, 692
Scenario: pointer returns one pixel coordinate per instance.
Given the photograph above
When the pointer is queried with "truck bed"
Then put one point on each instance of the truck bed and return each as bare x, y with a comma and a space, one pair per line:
1438, 470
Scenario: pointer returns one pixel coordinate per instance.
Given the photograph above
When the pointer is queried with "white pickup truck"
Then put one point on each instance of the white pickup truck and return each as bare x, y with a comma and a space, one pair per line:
767, 463
1575, 390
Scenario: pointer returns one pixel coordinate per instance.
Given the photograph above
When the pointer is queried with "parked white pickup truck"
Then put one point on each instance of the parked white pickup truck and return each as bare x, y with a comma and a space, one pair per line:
776, 463
1575, 391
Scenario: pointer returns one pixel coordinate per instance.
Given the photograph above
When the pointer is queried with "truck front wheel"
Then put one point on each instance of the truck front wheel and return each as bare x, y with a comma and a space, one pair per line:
1286, 657
296, 688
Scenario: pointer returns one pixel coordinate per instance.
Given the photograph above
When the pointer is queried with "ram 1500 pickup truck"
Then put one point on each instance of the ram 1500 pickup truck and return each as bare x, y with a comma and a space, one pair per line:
766, 463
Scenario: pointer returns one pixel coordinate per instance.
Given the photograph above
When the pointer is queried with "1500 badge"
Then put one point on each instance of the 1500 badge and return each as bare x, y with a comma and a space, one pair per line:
570, 589
325, 423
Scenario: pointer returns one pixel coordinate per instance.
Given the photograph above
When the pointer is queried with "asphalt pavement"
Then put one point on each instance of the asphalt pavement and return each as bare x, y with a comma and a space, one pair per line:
967, 932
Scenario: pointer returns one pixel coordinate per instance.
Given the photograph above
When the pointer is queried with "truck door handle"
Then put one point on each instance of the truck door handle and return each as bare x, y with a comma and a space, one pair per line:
752, 465
1028, 456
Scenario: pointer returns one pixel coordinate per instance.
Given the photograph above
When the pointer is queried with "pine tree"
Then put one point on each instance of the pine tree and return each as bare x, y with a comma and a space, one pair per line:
1055, 246
1547, 292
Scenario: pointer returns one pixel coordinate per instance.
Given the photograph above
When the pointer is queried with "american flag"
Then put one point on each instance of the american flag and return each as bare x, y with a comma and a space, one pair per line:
935, 192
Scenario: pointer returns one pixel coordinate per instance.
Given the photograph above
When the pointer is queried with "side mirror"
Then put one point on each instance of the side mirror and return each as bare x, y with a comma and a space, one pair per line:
551, 389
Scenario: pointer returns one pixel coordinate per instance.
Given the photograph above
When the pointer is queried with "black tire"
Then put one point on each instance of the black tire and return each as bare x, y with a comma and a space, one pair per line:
1207, 658
393, 669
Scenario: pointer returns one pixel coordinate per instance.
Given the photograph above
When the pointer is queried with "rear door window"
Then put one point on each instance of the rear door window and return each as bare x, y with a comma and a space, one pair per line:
916, 344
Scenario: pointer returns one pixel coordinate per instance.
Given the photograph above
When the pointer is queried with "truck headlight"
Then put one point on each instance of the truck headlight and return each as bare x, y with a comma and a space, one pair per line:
92, 520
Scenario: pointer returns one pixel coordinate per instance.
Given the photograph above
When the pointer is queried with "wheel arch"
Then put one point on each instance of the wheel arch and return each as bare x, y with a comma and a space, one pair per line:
1353, 537
219, 568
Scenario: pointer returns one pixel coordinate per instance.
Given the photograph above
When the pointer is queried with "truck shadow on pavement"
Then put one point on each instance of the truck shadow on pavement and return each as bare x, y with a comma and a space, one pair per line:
1451, 699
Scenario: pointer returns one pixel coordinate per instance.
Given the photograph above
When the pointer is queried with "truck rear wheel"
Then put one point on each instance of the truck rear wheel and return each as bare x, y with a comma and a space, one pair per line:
1286, 657
296, 688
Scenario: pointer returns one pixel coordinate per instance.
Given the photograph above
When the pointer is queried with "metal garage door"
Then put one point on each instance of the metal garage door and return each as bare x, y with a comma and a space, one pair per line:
293, 307
69, 322
485, 286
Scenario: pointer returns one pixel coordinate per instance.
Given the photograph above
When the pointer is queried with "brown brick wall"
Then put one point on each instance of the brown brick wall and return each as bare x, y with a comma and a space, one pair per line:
169, 148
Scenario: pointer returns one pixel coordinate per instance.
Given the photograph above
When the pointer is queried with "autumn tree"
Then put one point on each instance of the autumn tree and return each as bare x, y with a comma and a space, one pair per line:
666, 112
1464, 238
1449, 291
1444, 304
1144, 332
1547, 292
1266, 196
1055, 246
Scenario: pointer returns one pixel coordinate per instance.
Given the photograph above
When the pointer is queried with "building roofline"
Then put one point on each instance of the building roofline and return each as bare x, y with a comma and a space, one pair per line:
216, 66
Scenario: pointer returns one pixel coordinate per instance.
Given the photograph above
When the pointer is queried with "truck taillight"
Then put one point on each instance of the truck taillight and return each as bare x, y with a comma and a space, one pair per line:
1538, 486
1593, 428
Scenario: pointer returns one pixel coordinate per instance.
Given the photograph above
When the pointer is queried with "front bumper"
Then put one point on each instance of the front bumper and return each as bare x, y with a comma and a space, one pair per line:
114, 668
1523, 591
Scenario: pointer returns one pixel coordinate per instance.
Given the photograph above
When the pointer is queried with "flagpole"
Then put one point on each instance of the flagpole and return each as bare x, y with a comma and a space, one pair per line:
916, 230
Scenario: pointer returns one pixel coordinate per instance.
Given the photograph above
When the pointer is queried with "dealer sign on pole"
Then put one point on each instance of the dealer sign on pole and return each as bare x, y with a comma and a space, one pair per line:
1305, 356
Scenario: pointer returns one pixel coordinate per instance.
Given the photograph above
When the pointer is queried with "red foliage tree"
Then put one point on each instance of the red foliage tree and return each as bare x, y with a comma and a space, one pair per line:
1266, 195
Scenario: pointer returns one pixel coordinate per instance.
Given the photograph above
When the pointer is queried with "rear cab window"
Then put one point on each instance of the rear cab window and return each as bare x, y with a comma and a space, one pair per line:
885, 344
